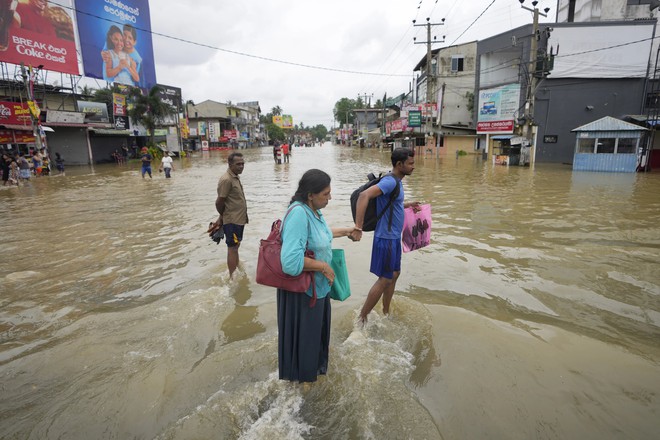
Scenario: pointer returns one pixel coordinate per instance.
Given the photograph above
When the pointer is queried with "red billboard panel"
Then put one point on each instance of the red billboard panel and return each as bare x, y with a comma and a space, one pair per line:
15, 113
501, 127
6, 136
38, 34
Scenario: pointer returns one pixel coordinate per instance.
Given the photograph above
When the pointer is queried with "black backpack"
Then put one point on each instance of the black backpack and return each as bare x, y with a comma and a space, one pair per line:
370, 216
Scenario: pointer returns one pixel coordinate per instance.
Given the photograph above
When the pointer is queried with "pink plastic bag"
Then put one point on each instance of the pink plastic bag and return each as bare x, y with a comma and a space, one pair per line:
416, 228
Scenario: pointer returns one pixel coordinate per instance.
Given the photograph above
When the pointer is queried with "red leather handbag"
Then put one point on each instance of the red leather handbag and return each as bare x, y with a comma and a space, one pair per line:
269, 265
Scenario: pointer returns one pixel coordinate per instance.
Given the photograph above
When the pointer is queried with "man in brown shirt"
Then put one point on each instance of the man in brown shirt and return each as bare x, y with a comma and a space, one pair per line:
232, 207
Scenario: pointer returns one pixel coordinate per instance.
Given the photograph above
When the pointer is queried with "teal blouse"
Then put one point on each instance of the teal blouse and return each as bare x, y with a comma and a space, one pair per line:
300, 230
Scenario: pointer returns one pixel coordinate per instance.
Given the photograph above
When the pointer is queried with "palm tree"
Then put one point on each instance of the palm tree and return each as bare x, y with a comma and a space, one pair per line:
276, 111
86, 90
148, 109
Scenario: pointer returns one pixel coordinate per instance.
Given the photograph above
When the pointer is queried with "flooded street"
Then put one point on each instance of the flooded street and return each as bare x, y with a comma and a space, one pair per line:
534, 313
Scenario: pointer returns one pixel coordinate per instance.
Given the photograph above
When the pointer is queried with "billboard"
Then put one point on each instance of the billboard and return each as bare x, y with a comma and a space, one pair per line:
36, 33
284, 121
497, 109
15, 113
94, 111
115, 41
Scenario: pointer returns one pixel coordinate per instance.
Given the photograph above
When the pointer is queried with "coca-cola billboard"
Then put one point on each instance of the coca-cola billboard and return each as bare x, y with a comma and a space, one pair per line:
36, 33
15, 113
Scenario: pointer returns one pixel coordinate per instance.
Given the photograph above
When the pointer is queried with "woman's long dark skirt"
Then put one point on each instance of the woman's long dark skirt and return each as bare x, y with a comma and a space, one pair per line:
303, 336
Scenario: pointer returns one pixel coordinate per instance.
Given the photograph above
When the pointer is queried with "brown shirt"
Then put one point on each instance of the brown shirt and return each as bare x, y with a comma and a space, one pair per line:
230, 189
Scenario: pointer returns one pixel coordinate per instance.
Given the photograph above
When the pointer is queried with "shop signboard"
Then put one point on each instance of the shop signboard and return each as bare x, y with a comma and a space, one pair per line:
15, 113
6, 137
94, 111
497, 109
60, 116
414, 118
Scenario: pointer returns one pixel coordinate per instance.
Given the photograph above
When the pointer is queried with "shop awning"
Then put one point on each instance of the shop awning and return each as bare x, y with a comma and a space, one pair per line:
17, 127
110, 132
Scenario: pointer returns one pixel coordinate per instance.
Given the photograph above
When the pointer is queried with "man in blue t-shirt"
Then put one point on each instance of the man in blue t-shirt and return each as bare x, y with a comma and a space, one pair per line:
386, 250
146, 162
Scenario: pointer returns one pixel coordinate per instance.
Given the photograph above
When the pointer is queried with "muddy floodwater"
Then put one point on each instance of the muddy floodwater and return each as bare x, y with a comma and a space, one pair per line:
533, 314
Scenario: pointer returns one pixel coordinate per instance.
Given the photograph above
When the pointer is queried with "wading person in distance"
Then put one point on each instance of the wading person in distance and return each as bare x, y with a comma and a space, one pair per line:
232, 207
386, 249
303, 319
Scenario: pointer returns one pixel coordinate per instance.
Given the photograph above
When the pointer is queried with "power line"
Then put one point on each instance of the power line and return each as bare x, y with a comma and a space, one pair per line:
475, 20
244, 54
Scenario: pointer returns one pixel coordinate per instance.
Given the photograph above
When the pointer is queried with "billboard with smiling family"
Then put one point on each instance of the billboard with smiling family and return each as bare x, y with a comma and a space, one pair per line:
115, 41
38, 34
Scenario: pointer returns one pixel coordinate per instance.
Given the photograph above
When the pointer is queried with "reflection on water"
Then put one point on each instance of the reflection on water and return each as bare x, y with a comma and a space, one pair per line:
118, 319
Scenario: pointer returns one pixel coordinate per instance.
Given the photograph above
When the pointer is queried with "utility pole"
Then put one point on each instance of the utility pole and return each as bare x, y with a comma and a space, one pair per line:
430, 77
528, 133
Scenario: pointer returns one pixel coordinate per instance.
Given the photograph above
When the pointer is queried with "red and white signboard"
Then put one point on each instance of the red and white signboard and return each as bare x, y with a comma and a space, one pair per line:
500, 127
36, 33
15, 113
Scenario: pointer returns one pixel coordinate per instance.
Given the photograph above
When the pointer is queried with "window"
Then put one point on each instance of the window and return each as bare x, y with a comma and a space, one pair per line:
605, 145
586, 145
457, 63
626, 146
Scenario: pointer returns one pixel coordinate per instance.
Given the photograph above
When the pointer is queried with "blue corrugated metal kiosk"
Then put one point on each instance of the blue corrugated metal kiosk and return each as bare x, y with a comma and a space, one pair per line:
608, 144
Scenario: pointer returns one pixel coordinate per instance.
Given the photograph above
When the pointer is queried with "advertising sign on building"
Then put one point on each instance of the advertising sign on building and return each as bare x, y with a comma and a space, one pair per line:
121, 123
6, 136
36, 35
230, 134
118, 104
94, 111
497, 109
170, 95
414, 118
15, 113
60, 116
115, 41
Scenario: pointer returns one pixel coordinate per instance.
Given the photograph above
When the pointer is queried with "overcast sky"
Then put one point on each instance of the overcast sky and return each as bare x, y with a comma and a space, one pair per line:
347, 42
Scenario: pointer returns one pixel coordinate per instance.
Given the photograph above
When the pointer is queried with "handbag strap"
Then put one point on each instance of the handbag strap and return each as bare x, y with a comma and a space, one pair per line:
312, 303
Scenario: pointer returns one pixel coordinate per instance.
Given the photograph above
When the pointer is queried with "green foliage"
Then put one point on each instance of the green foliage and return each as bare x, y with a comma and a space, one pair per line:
275, 132
343, 111
461, 153
148, 109
319, 131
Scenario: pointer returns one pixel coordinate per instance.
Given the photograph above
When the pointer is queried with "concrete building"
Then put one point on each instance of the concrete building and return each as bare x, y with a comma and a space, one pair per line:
601, 70
604, 10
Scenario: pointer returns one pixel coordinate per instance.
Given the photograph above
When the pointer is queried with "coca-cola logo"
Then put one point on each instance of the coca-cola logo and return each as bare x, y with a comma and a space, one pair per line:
5, 112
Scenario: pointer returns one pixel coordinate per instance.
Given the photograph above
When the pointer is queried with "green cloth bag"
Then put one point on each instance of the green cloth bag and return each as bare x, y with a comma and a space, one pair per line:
341, 288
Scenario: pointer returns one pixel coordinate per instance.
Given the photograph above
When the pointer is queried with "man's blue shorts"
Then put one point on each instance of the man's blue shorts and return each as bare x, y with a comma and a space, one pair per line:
233, 234
385, 257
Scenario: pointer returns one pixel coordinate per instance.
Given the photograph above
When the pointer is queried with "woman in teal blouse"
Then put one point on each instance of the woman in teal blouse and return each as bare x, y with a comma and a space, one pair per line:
303, 320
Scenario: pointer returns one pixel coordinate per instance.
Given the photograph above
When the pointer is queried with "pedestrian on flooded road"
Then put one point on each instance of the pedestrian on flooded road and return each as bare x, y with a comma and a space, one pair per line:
166, 164
386, 248
232, 209
146, 162
303, 319
59, 163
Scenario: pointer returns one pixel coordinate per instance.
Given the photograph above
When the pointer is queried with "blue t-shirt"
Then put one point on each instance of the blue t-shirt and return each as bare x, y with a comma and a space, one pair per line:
387, 184
302, 230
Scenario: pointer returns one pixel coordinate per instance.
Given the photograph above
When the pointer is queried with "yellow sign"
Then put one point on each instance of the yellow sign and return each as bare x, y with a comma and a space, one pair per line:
34, 109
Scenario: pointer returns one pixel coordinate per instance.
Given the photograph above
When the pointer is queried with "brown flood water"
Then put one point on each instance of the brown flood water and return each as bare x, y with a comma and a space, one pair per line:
534, 313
